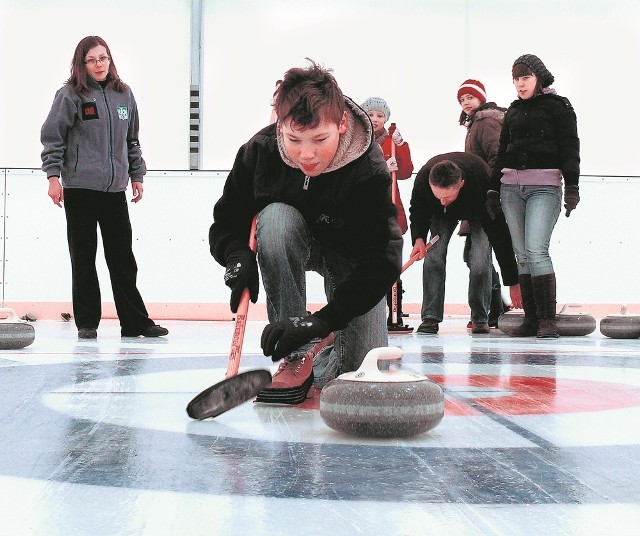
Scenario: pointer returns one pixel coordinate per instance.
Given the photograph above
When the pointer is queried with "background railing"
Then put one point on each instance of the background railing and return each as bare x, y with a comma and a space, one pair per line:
595, 251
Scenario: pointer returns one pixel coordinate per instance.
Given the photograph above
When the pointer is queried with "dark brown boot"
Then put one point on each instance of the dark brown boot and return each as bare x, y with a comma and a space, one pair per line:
544, 289
529, 327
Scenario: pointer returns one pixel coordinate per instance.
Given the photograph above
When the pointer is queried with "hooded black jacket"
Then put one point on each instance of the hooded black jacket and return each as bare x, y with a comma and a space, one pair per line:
348, 208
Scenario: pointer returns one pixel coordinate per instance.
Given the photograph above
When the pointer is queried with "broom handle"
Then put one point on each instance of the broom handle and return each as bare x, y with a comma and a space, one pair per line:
394, 197
241, 316
413, 259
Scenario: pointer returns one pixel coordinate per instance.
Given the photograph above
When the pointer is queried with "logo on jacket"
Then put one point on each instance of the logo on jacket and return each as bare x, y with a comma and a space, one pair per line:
123, 112
333, 223
89, 111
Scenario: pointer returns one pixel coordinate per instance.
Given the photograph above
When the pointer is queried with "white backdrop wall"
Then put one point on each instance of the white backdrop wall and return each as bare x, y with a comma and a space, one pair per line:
595, 258
413, 53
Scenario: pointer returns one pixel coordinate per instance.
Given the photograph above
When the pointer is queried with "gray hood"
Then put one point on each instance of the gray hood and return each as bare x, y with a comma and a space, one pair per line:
353, 143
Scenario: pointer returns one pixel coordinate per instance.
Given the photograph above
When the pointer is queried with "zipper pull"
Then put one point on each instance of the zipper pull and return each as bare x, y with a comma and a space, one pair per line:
305, 186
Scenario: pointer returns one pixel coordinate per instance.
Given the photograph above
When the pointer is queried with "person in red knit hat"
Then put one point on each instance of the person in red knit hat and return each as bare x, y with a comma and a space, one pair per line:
483, 121
402, 165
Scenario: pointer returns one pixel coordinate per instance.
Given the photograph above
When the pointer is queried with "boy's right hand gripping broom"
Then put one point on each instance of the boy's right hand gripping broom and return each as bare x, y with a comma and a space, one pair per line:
236, 388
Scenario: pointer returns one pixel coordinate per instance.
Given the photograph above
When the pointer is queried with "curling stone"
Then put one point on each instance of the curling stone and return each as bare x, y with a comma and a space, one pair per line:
374, 403
569, 324
621, 326
14, 333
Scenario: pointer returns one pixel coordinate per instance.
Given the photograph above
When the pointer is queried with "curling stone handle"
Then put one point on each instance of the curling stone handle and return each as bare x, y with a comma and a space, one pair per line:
567, 305
11, 315
370, 373
370, 363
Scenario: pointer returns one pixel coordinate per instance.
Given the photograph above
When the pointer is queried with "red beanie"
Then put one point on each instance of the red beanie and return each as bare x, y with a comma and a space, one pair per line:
473, 87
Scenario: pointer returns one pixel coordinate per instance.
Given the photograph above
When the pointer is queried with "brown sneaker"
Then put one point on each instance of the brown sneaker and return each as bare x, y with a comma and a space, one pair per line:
294, 376
293, 371
480, 328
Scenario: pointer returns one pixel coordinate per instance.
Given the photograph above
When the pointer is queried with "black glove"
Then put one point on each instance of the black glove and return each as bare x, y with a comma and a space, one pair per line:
493, 204
571, 198
241, 273
279, 339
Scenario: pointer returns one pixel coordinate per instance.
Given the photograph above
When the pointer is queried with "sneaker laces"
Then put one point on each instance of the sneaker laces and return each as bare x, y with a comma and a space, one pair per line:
293, 362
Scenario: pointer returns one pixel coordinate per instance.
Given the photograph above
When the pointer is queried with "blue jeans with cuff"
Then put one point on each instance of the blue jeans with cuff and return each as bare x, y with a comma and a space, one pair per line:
434, 271
286, 251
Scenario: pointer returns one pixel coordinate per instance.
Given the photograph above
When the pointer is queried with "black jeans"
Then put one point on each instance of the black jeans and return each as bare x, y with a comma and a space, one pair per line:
85, 210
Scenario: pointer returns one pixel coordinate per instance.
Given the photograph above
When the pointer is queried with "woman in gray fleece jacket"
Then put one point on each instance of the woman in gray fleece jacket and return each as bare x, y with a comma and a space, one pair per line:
91, 150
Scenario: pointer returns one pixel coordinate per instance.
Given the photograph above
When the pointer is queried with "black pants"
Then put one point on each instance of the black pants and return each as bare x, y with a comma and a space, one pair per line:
85, 209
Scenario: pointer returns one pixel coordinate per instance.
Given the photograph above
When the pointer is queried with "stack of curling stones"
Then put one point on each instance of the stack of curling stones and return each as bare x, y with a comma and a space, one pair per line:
569, 324
374, 403
14, 333
621, 326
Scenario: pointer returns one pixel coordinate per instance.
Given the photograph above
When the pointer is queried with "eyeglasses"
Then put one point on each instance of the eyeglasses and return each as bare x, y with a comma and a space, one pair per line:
101, 59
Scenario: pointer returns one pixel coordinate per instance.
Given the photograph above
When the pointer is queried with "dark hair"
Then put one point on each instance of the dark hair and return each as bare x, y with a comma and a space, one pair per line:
79, 78
275, 92
308, 96
445, 174
521, 69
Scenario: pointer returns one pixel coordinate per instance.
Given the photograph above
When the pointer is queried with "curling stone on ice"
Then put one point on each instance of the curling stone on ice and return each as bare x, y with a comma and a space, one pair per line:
621, 326
374, 403
14, 333
569, 324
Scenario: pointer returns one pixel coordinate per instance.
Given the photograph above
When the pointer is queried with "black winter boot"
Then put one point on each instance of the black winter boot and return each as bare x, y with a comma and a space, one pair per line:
544, 289
529, 327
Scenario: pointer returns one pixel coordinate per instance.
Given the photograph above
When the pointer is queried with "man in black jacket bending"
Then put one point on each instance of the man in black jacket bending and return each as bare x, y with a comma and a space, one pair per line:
449, 188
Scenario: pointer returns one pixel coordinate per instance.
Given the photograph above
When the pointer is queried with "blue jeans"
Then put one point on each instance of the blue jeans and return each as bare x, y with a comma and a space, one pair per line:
434, 272
286, 250
531, 213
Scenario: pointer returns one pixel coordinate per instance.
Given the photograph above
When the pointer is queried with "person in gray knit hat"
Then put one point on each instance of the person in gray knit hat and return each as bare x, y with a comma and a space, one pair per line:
397, 154
539, 151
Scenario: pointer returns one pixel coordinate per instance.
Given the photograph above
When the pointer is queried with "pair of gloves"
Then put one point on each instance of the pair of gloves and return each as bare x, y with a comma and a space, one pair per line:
571, 200
279, 339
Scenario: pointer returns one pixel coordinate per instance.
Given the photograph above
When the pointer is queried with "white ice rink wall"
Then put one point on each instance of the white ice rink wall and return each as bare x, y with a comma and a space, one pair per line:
412, 53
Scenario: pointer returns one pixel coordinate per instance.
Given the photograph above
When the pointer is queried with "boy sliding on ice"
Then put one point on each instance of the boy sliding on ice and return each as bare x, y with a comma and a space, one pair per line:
322, 192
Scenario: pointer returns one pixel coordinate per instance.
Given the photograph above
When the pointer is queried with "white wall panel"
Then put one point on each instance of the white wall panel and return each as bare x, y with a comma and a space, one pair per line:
415, 54
170, 240
149, 41
37, 266
595, 251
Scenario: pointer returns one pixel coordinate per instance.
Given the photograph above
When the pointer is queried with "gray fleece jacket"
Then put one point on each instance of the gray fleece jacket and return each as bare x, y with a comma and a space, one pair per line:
91, 141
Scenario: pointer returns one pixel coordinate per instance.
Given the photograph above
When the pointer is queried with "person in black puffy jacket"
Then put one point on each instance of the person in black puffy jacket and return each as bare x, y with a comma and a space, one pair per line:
539, 150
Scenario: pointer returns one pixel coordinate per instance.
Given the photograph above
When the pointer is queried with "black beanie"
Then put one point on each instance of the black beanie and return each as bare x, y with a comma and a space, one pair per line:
538, 68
